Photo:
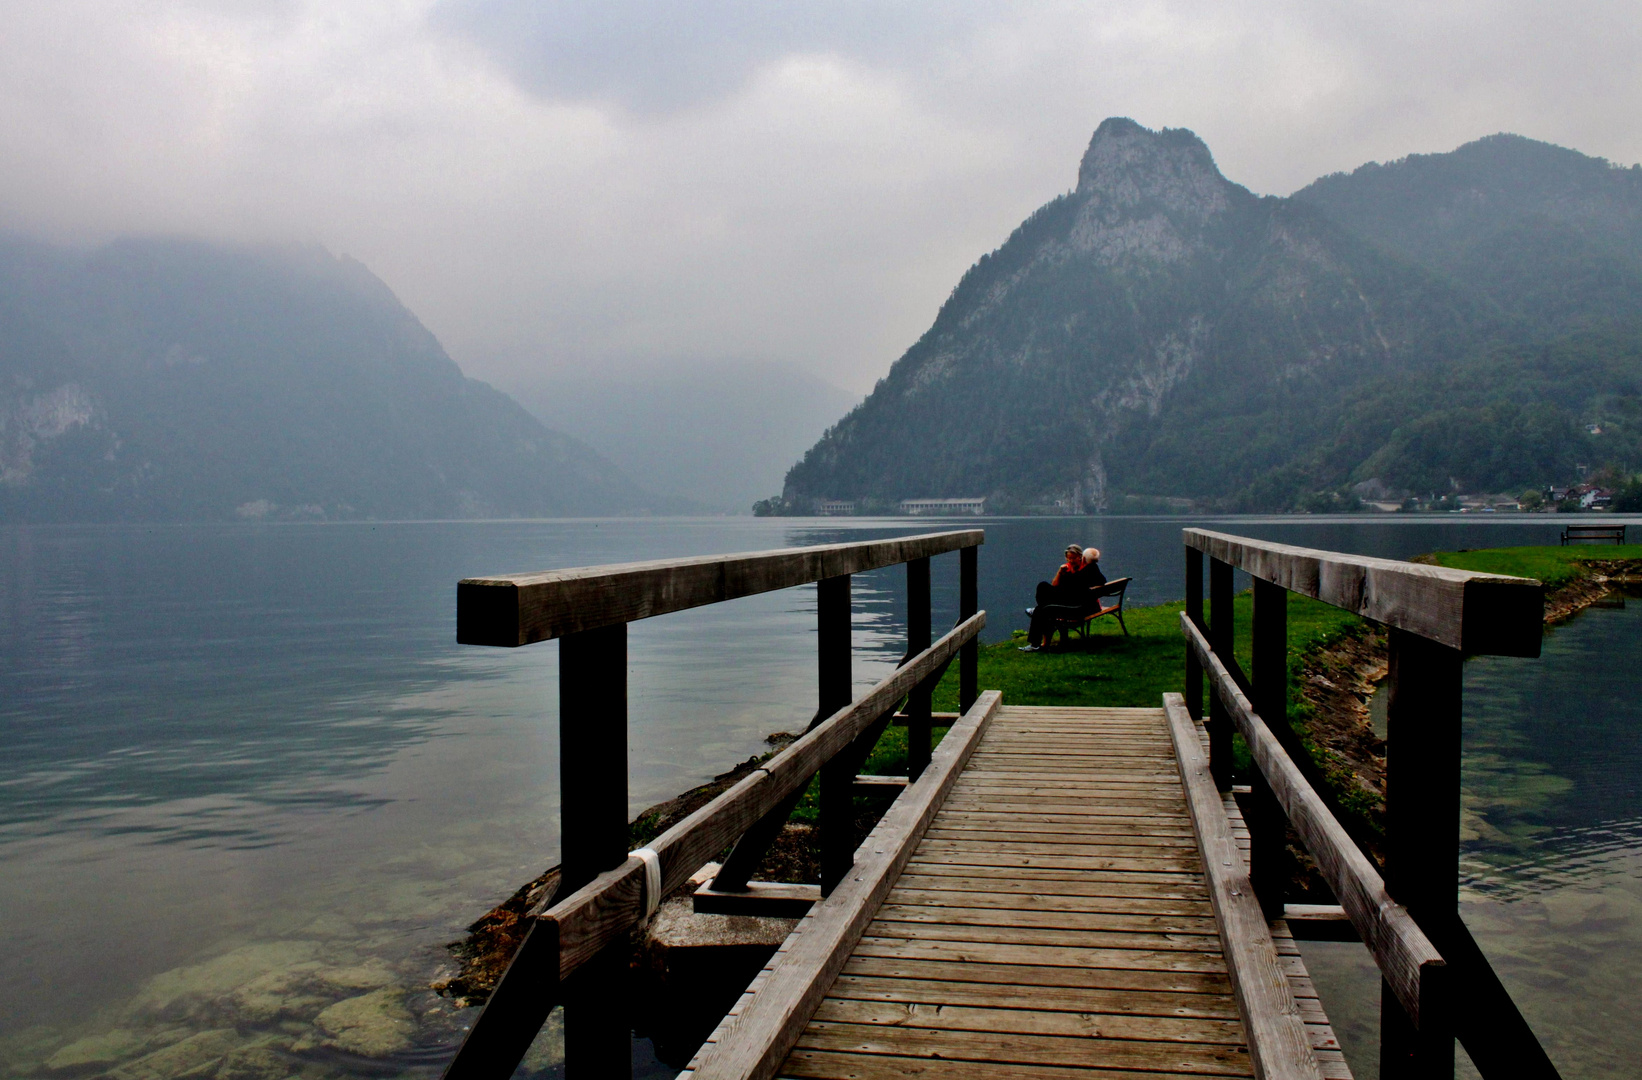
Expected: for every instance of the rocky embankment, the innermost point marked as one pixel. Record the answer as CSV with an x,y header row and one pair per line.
x,y
1338,680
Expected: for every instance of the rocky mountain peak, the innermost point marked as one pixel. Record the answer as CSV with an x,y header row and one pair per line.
x,y
1127,166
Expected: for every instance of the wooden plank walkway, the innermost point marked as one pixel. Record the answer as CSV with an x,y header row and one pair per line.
x,y
1053,922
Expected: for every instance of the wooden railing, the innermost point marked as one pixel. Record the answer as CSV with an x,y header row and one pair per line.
x,y
575,952
1436,984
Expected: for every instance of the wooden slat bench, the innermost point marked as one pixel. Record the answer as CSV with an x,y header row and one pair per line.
x,y
1066,619
1593,534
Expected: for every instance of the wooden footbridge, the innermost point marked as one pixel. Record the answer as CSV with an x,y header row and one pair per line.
x,y
1055,892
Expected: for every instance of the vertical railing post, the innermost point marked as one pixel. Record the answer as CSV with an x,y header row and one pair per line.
x,y
1220,640
593,836
1422,828
969,602
1194,612
1268,826
919,636
832,604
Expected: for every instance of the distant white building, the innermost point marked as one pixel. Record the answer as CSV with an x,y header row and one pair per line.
x,y
943,506
837,507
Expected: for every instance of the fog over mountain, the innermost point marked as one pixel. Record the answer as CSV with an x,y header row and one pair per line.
x,y
1449,321
719,433
164,380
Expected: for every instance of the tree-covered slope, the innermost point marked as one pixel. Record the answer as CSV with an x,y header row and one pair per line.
x,y
173,380
1162,331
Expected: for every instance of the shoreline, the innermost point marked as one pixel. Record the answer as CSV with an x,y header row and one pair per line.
x,y
1337,680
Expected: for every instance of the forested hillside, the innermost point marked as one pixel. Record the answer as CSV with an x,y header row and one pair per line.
x,y
161,380
1465,321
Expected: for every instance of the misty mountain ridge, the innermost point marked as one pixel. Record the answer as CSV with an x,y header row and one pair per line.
x,y
164,379
1451,320
721,433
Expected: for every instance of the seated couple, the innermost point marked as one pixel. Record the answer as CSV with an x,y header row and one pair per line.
x,y
1070,593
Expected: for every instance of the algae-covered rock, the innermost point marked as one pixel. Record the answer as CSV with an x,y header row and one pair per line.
x,y
372,1025
197,1056
290,993
199,989
371,975
259,1061
97,1052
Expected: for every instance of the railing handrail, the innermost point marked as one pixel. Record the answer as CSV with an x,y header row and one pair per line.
x,y
1405,956
1409,918
519,609
1477,613
566,935
607,906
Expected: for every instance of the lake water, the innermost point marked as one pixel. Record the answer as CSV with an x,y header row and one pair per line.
x,y
249,774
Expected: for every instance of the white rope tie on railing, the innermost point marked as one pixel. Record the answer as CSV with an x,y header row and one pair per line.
x,y
652,879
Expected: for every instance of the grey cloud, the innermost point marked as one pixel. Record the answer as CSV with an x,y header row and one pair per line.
x,y
656,56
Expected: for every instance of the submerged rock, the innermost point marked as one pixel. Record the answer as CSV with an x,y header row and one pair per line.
x,y
95,1052
194,1057
258,1061
201,989
372,1025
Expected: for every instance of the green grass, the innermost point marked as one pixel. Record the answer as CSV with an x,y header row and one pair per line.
x,y
1134,671
1555,566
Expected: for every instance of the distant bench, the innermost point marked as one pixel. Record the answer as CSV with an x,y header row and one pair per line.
x,y
1067,619
1593,534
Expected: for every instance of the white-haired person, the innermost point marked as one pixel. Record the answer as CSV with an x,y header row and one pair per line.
x,y
1070,592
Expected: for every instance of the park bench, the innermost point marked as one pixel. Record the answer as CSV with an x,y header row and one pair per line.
x,y
1066,618
1593,534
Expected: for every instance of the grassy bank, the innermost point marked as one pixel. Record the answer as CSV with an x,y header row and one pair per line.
x,y
1557,567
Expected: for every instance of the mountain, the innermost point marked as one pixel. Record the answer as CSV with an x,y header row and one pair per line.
x,y
175,380
720,433
1160,331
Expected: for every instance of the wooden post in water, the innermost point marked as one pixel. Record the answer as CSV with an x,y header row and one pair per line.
x,y
1268,826
593,836
969,602
1220,639
1194,611
832,606
1422,828
918,639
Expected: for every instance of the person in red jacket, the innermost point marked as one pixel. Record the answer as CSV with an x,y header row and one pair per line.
x,y
1069,592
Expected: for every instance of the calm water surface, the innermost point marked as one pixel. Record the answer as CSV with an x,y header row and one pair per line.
x,y
251,786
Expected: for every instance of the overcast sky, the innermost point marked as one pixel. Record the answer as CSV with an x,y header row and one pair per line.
x,y
555,185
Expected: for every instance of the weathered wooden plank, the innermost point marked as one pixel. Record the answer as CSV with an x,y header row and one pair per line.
x,y
1409,963
518,609
978,855
1037,918
1163,822
1212,982
1064,882
1278,1046
1138,1003
780,899
1089,846
752,1045
607,906
937,1014
830,1065
1074,838
945,1046
1047,901
1480,614
991,952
